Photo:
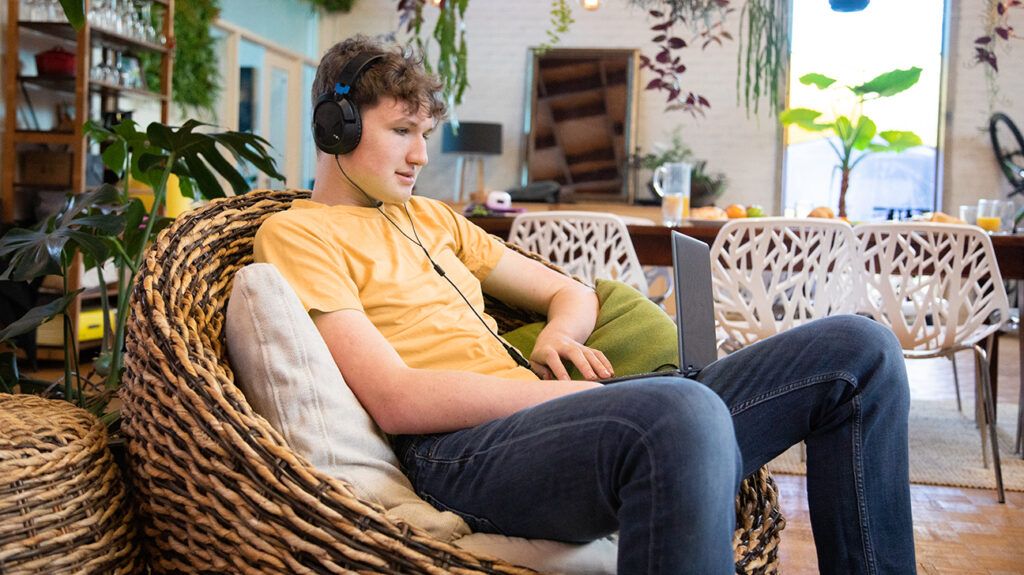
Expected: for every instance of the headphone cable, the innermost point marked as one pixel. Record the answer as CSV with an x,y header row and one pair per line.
x,y
512,352
373,201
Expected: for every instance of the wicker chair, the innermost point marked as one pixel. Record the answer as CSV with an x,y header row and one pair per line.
x,y
218,488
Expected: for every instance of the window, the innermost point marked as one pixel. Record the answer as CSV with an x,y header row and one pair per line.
x,y
854,48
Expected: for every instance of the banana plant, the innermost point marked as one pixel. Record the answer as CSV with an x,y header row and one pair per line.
x,y
856,132
107,224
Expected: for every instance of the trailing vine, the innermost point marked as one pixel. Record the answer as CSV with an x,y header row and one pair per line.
x,y
449,34
667,63
700,16
762,65
997,29
561,19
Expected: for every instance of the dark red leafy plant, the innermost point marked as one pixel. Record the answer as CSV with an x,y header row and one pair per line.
x,y
667,64
999,29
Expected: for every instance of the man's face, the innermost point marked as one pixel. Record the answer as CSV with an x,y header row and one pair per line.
x,y
391,152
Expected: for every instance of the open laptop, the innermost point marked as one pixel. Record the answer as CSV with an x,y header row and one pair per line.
x,y
695,320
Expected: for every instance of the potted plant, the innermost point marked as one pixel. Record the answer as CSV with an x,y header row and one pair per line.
x,y
705,186
107,224
856,133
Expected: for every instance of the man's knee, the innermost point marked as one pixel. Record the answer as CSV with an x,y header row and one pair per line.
x,y
857,337
871,351
677,414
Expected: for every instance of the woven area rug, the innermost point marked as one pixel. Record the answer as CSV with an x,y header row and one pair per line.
x,y
945,448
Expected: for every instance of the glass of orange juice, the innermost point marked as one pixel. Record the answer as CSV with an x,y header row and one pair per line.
x,y
674,209
991,215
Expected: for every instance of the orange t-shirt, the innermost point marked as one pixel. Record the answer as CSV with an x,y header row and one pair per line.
x,y
347,257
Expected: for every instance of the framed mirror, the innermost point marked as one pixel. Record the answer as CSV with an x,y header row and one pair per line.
x,y
580,122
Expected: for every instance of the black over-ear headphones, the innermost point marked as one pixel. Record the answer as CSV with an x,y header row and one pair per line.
x,y
337,126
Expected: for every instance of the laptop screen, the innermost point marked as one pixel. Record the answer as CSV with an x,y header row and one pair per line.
x,y
695,319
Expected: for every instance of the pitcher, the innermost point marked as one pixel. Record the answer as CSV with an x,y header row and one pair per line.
x,y
672,183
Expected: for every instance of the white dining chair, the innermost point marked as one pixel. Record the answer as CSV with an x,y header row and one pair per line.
x,y
938,287
589,245
772,274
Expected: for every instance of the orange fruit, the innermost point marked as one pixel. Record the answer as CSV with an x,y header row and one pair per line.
x,y
736,211
822,212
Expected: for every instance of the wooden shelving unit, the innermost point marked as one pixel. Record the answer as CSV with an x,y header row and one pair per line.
x,y
580,109
82,94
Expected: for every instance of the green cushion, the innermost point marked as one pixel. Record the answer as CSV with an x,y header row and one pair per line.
x,y
634,334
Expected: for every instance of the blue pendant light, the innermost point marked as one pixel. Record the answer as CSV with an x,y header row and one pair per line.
x,y
848,5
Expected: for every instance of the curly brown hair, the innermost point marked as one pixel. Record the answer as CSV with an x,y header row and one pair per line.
x,y
400,75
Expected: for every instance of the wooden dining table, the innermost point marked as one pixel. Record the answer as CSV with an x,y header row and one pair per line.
x,y
654,247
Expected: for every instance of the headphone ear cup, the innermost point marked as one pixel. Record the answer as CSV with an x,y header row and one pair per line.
x,y
328,126
351,128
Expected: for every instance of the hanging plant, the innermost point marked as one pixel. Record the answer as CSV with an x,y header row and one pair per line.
x,y
705,21
561,19
997,27
998,30
760,68
450,36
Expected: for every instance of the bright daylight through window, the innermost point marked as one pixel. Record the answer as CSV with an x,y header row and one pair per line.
x,y
853,48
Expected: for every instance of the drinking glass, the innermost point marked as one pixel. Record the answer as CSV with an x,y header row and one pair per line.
x,y
993,215
969,214
54,12
149,31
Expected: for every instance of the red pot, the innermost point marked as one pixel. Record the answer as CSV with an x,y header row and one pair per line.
x,y
55,62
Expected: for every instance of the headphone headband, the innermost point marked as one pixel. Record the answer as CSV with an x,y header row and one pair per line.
x,y
337,125
352,71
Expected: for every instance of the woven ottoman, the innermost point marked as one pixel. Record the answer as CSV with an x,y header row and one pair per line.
x,y
63,504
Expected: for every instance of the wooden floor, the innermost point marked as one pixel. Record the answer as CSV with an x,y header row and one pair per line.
x,y
963,531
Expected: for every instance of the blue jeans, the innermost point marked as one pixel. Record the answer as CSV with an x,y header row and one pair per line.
x,y
660,459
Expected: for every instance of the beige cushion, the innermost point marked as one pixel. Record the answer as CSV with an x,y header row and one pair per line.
x,y
595,558
289,377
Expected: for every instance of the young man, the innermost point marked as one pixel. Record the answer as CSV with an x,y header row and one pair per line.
x,y
394,283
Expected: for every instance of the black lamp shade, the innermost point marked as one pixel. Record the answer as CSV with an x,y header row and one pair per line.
x,y
848,5
472,138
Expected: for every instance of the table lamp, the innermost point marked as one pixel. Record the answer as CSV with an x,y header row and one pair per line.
x,y
471,141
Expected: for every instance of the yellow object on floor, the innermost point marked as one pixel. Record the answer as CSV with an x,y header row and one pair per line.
x,y
90,327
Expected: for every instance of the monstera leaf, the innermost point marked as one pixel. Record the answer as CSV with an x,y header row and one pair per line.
x,y
196,157
37,316
82,225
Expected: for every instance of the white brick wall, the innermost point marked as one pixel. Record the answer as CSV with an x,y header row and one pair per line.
x,y
971,172
500,31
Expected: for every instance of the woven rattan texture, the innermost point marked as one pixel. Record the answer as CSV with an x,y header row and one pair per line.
x,y
219,490
63,505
